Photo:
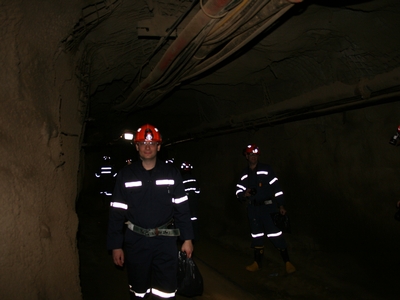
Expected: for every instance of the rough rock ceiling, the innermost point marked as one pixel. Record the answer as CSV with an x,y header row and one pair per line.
x,y
208,67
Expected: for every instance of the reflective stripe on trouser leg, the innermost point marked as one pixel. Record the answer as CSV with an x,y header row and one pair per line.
x,y
138,296
256,228
262,225
157,294
165,263
257,239
273,233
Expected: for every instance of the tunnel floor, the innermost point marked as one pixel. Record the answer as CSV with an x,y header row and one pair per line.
x,y
319,275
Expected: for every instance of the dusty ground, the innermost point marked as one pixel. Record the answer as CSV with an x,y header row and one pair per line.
x,y
320,275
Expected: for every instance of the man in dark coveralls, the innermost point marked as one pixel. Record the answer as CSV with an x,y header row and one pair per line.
x,y
258,187
149,210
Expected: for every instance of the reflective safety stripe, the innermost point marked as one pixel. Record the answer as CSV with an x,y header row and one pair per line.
x,y
244,177
190,189
162,294
106,193
278,194
119,205
165,182
273,180
180,200
189,180
274,234
133,184
241,187
140,295
262,173
193,218
257,235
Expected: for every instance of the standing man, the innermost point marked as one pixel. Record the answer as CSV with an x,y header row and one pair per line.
x,y
193,192
258,187
150,200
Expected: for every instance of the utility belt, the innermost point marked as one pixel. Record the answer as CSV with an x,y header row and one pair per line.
x,y
161,230
265,202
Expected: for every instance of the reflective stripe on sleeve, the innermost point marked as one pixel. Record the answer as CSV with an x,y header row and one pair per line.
x,y
240,189
273,180
244,177
180,200
189,180
119,205
278,194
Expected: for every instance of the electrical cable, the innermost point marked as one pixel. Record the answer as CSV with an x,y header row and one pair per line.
x,y
234,45
177,68
211,16
162,42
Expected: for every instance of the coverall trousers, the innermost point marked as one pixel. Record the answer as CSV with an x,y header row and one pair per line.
x,y
262,225
151,265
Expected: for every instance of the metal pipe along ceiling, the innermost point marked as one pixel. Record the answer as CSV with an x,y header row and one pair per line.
x,y
220,23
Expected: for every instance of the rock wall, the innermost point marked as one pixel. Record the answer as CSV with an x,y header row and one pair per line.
x,y
40,130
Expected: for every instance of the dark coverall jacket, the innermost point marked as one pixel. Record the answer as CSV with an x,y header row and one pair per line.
x,y
149,199
266,199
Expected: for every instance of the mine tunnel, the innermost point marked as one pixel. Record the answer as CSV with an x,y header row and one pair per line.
x,y
314,84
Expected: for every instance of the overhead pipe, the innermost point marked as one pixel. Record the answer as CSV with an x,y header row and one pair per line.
x,y
199,21
245,24
183,65
270,14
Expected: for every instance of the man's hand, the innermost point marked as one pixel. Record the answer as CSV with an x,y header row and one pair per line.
x,y
118,257
187,247
282,210
247,193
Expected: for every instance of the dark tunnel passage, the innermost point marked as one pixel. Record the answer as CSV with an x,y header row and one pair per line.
x,y
344,245
315,84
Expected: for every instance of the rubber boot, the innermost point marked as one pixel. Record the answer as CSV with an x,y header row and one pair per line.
x,y
290,268
288,265
258,256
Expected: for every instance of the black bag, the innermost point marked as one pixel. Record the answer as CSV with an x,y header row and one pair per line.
x,y
281,221
190,281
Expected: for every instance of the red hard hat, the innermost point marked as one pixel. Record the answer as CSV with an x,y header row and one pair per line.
x,y
147,133
252,148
